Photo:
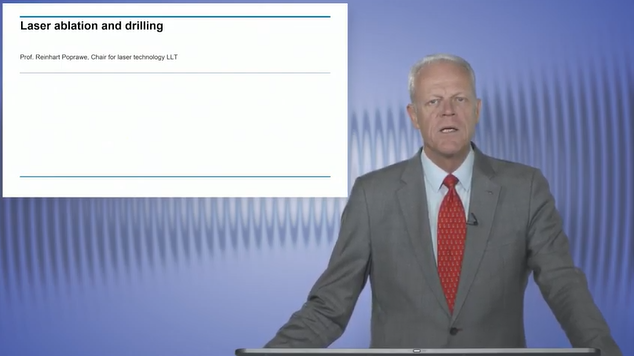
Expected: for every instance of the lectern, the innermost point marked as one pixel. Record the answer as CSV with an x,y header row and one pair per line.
x,y
421,352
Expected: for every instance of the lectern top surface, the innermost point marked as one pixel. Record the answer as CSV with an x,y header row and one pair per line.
x,y
410,352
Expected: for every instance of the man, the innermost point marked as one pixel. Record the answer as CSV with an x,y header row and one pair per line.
x,y
448,239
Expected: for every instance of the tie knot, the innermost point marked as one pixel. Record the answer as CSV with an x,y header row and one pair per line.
x,y
450,181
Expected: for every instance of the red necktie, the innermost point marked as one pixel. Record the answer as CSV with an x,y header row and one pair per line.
x,y
452,231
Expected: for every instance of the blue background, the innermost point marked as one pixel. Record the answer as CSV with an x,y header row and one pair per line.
x,y
207,276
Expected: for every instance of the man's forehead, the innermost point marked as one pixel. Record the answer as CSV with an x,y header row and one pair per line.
x,y
448,84
443,76
443,71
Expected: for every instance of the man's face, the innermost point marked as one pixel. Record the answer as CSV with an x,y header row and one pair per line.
x,y
446,109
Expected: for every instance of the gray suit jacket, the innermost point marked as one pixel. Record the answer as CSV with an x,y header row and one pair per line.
x,y
385,235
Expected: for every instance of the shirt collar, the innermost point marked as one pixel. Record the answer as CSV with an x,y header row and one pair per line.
x,y
435,175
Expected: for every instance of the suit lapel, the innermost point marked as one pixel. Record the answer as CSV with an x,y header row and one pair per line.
x,y
412,200
483,202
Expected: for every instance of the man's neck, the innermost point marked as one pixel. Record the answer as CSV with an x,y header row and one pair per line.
x,y
448,164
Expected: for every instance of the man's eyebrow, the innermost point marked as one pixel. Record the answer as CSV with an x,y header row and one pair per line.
x,y
461,93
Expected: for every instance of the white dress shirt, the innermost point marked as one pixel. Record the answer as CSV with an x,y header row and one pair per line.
x,y
434,176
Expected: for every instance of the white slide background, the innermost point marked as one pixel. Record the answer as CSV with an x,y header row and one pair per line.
x,y
244,102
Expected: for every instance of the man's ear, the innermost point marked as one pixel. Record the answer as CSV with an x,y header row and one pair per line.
x,y
478,107
411,111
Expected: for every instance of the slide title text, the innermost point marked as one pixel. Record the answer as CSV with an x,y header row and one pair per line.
x,y
91,26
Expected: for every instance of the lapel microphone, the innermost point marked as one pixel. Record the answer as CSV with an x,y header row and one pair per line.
x,y
473,221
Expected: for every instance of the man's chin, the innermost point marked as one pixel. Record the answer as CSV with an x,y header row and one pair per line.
x,y
449,154
452,150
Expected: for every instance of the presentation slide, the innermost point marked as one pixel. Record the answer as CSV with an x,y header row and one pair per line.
x,y
175,100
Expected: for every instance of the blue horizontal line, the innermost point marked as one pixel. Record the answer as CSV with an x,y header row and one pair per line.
x,y
174,17
218,176
201,73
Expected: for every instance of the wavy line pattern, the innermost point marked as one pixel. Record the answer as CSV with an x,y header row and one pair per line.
x,y
575,123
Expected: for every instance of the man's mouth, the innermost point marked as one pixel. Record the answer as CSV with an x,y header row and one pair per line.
x,y
449,129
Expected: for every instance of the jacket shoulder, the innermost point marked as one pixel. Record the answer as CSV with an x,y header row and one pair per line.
x,y
385,178
512,171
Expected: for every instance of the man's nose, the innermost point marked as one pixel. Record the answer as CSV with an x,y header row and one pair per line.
x,y
447,108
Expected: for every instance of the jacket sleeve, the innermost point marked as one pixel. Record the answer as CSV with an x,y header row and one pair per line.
x,y
325,315
562,284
